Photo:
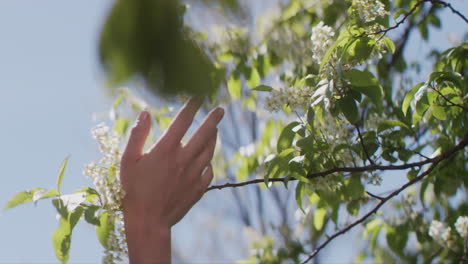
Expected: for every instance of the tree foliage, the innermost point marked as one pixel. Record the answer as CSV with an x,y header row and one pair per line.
x,y
334,108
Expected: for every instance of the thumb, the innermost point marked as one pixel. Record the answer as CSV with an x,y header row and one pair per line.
x,y
134,149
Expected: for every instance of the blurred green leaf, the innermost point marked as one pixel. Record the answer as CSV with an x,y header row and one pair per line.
x,y
147,39
61,173
61,240
299,194
365,83
409,97
104,229
319,218
349,109
234,86
263,88
286,137
388,124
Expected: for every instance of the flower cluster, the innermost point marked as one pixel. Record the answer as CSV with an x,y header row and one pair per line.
x,y
442,234
117,250
462,226
105,175
294,97
369,10
330,183
322,40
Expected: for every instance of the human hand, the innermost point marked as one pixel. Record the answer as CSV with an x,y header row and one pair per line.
x,y
164,183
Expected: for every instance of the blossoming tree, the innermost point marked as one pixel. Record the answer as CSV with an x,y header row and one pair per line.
x,y
332,108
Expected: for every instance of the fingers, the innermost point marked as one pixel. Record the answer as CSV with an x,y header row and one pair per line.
x,y
206,177
134,149
204,134
203,159
182,122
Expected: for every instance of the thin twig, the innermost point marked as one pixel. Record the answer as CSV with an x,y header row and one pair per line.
x,y
375,196
363,146
374,167
402,20
445,4
413,9
448,100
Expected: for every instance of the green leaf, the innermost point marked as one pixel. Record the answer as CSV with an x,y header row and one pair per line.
x,y
389,43
43,194
105,228
349,109
121,126
344,37
397,238
254,79
30,196
90,194
388,124
61,237
91,216
453,77
286,137
399,12
360,49
353,207
61,173
300,187
438,112
373,228
61,240
319,218
409,97
360,78
148,40
119,99
354,188
234,86
74,217
365,83
263,88
19,198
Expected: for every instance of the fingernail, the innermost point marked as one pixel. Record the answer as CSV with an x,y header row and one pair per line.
x,y
143,116
219,113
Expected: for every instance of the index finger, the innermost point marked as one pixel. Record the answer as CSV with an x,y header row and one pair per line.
x,y
181,123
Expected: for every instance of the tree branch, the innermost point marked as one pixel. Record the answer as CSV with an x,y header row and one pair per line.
x,y
375,196
463,143
413,9
385,199
445,4
363,146
448,100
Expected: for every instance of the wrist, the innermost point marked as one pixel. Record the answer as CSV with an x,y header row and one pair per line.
x,y
147,241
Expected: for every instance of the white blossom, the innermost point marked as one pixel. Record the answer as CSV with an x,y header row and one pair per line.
x,y
436,229
106,179
370,10
441,233
462,226
329,183
322,40
294,97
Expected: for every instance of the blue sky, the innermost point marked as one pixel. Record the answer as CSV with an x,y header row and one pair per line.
x,y
51,84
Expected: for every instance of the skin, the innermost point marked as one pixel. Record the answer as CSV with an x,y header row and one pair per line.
x,y
162,184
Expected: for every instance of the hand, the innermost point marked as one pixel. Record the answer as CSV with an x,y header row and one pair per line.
x,y
164,183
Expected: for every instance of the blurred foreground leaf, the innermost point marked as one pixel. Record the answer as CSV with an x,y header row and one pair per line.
x,y
147,39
